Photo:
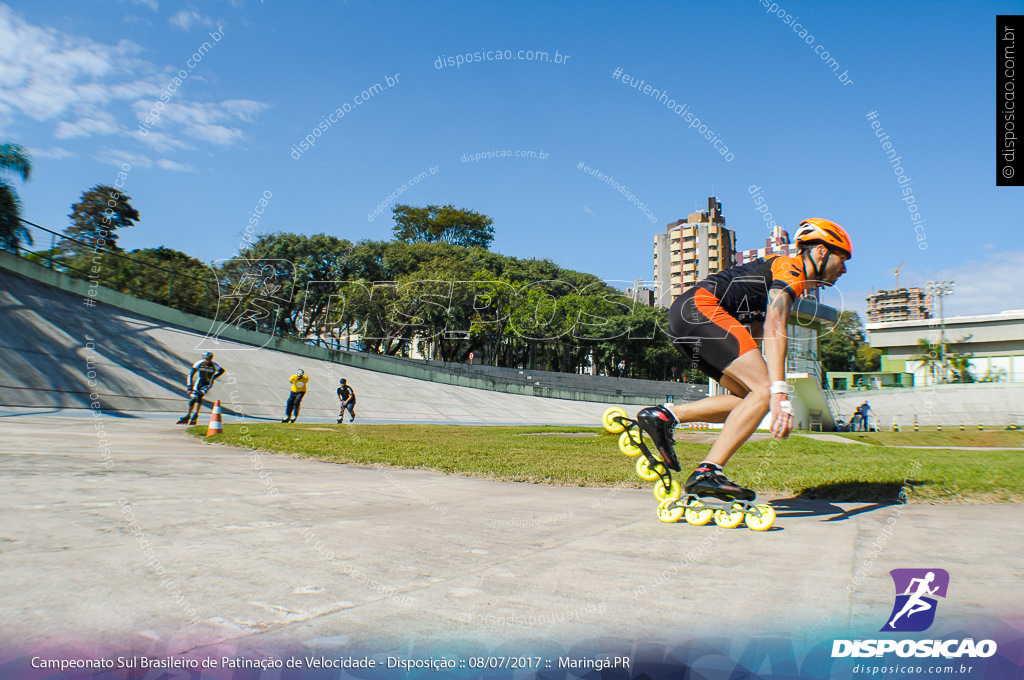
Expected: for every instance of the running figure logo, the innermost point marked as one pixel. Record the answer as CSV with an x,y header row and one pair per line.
x,y
914,610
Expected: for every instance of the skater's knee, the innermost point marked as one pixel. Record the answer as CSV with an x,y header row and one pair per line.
x,y
761,395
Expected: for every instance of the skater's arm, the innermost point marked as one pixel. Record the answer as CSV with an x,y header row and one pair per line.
x,y
776,338
775,344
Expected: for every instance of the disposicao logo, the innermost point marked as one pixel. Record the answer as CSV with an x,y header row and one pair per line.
x,y
913,612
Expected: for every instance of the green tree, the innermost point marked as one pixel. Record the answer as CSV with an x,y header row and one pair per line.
x,y
13,159
838,345
443,224
169,277
95,220
289,281
868,358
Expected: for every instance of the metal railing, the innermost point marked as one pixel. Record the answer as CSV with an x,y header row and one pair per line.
x,y
117,280
830,397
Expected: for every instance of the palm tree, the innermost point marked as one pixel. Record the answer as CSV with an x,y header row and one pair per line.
x,y
928,355
961,366
13,158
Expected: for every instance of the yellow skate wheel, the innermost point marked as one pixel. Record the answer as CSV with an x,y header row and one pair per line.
x,y
643,469
673,491
729,519
697,515
764,521
670,511
610,425
627,446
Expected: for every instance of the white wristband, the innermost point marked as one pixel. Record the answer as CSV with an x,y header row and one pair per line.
x,y
779,387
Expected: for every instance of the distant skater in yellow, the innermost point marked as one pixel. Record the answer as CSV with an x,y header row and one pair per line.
x,y
291,410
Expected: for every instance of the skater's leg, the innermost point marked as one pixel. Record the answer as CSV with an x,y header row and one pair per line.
x,y
747,375
191,407
708,410
298,403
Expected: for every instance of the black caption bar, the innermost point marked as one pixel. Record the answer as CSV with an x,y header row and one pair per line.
x,y
1009,150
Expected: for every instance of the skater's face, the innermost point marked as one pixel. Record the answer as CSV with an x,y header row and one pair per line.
x,y
834,268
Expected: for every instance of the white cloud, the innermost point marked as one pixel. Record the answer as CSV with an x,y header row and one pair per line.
x,y
186,18
985,286
587,210
119,157
86,127
152,4
165,164
56,153
45,74
82,86
205,122
160,142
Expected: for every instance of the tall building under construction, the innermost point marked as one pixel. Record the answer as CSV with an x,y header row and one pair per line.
x,y
902,304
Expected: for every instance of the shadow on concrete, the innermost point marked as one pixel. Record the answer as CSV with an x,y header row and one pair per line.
x,y
883,493
46,344
800,506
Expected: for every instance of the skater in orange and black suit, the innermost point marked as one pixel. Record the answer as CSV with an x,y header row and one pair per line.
x,y
706,324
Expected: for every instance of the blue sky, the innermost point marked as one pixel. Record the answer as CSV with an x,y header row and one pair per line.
x,y
78,79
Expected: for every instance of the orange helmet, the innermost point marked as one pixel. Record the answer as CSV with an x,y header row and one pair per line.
x,y
816,230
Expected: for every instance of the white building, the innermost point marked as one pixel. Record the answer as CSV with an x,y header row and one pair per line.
x,y
996,342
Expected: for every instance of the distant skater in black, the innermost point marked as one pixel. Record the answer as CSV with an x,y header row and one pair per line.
x,y
347,397
200,380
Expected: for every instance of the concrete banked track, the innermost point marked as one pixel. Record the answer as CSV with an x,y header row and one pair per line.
x,y
57,351
157,543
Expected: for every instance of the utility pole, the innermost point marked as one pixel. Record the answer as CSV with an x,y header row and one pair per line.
x,y
940,289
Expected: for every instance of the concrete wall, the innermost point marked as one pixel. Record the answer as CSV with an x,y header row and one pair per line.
x,y
992,404
513,381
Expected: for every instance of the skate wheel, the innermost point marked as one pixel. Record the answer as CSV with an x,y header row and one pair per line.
x,y
697,515
613,426
643,468
761,522
672,492
627,446
670,511
730,519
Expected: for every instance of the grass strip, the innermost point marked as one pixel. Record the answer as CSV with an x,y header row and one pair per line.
x,y
797,466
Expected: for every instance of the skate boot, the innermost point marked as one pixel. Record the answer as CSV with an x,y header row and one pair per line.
x,y
193,421
286,420
183,420
707,481
658,422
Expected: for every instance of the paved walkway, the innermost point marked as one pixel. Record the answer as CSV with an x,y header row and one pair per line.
x,y
843,440
117,530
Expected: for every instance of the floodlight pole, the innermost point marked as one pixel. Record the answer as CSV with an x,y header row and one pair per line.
x,y
940,289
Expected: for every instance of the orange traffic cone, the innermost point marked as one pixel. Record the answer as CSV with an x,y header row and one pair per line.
x,y
216,426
